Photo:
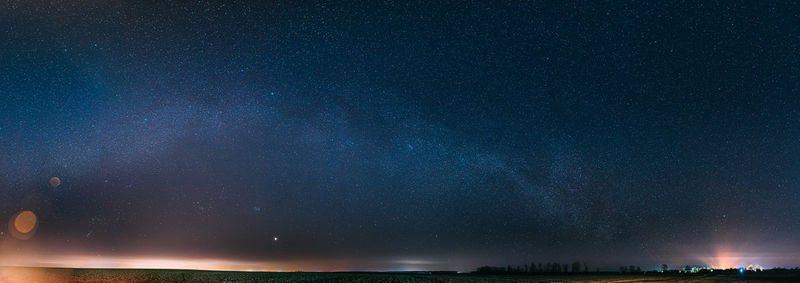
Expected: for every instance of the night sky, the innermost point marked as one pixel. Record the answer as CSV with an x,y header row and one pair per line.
x,y
275,135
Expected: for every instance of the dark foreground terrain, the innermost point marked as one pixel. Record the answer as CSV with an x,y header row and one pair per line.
x,y
28,274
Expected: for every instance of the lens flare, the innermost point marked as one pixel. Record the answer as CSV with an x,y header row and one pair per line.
x,y
55,182
23,225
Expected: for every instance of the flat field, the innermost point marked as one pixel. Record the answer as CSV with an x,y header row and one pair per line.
x,y
30,274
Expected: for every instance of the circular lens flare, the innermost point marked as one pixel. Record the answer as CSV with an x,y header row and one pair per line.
x,y
25,221
55,182
23,225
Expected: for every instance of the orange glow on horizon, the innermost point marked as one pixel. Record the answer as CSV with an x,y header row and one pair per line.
x,y
727,257
143,262
146,263
723,258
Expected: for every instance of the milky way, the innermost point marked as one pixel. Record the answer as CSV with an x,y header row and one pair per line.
x,y
402,135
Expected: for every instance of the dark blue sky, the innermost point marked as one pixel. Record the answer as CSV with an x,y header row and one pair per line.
x,y
404,134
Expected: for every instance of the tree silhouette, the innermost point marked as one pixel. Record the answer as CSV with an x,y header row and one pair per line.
x,y
576,267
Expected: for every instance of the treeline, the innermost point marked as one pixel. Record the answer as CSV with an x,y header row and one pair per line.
x,y
578,267
630,269
550,267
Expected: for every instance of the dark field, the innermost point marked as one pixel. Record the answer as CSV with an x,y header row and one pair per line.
x,y
25,274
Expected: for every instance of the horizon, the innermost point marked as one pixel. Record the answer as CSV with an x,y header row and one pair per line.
x,y
723,261
399,135
215,264
221,265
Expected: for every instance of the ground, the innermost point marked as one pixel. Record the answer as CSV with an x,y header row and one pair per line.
x,y
27,274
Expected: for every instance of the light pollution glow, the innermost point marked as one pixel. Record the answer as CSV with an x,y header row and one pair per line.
x,y
726,256
143,262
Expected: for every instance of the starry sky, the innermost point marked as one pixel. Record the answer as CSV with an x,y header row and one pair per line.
x,y
401,135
